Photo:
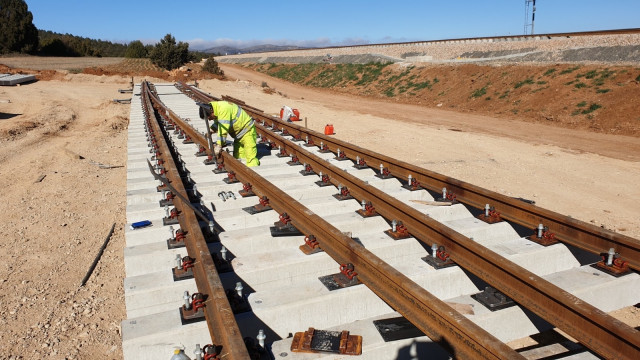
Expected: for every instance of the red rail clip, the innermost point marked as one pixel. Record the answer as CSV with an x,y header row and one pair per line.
x,y
348,270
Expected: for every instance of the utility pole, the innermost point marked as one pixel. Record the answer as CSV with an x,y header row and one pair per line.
x,y
529,7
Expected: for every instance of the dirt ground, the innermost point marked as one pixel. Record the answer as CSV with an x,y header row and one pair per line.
x,y
59,203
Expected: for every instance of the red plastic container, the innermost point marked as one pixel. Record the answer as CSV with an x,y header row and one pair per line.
x,y
296,115
328,129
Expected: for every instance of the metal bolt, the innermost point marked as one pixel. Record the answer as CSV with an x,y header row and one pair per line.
x,y
279,148
394,224
187,300
320,174
338,152
434,249
164,194
189,177
486,210
230,194
198,352
222,196
321,144
261,336
171,230
357,159
540,230
195,190
444,192
409,180
166,211
223,253
612,252
364,205
239,288
178,261
340,189
211,226
306,139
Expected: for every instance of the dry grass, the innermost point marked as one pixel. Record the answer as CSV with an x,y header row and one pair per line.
x,y
57,63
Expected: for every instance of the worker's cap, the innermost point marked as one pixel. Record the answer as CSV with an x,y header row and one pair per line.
x,y
205,110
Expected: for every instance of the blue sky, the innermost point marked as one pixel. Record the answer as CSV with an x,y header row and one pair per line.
x,y
204,24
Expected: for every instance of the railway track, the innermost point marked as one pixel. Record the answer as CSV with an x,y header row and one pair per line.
x,y
392,271
500,38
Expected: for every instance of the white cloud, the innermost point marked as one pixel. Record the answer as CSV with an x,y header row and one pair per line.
x,y
201,44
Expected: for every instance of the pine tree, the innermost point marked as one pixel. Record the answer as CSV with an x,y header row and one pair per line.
x,y
168,55
136,50
17,32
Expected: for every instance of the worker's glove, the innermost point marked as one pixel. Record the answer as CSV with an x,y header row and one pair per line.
x,y
217,150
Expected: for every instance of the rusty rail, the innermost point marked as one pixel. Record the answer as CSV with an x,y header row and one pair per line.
x,y
566,229
434,317
595,329
223,327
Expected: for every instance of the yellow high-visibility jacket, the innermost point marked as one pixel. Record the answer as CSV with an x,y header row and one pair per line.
x,y
231,120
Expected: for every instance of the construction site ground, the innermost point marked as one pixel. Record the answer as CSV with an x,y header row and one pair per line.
x,y
63,152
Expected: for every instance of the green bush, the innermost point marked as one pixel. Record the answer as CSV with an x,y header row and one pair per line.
x,y
593,107
479,92
211,66
523,82
569,70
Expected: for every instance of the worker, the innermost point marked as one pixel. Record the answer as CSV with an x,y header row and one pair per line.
x,y
229,118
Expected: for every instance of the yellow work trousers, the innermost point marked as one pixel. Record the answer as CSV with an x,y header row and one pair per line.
x,y
247,148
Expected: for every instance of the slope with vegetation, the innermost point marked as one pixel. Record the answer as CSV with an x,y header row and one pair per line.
x,y
592,97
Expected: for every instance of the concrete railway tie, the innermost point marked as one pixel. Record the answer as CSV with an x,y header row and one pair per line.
x,y
282,284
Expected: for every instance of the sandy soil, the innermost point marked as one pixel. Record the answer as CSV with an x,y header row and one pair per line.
x,y
63,129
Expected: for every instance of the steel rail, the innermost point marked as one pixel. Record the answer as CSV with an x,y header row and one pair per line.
x,y
533,36
221,322
435,318
432,316
551,303
595,329
566,229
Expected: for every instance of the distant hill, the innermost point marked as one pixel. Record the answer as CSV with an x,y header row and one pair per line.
x,y
230,50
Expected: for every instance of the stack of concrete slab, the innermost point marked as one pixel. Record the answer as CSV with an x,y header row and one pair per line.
x,y
14,79
282,285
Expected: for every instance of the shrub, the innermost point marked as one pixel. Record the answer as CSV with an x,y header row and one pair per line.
x,y
523,82
593,107
602,91
211,66
569,70
479,92
549,72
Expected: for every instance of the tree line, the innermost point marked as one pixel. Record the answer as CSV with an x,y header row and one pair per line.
x,y
19,35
